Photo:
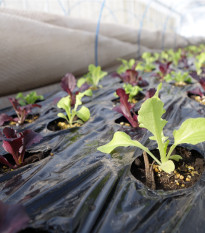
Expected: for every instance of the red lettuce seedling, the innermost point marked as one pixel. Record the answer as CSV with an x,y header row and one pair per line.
x,y
201,80
198,78
126,108
16,144
150,93
132,77
21,112
68,84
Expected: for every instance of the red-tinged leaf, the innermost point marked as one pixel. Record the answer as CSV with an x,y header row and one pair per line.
x,y
30,137
197,77
5,118
196,91
9,132
164,67
4,161
17,143
68,83
14,103
150,93
13,218
13,148
125,107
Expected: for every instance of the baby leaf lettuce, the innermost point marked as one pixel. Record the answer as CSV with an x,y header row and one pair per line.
x,y
17,143
126,108
132,91
72,112
150,113
30,98
93,77
21,112
126,65
178,77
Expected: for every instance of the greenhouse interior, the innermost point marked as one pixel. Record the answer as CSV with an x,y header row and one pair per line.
x,y
102,109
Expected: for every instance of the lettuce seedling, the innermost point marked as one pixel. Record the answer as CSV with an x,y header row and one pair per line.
x,y
72,113
21,112
200,60
16,144
93,77
132,77
178,77
201,81
126,108
149,117
126,65
147,63
30,98
68,84
132,91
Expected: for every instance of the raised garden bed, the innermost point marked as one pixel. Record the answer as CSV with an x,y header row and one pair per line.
x,y
67,185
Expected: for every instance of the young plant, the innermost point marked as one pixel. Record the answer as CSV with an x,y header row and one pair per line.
x,y
132,77
180,78
132,91
16,144
175,56
30,98
126,65
164,69
21,112
147,63
197,91
199,62
72,112
191,131
126,108
68,84
93,77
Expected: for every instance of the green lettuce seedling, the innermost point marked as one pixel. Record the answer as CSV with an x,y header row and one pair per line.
x,y
147,63
191,131
200,60
83,113
93,77
132,91
178,77
30,98
126,65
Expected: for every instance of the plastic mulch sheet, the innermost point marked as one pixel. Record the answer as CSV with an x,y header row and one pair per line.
x,y
79,189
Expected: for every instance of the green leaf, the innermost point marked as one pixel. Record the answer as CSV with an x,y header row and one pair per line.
x,y
65,104
168,166
191,131
175,157
62,116
122,139
132,91
149,117
83,114
80,82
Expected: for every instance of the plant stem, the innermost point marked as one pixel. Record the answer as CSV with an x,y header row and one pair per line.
x,y
171,150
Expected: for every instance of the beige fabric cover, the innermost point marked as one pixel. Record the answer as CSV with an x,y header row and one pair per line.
x,y
37,49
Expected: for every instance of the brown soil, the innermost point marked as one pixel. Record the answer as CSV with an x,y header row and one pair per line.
x,y
28,159
137,98
187,171
198,98
61,124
